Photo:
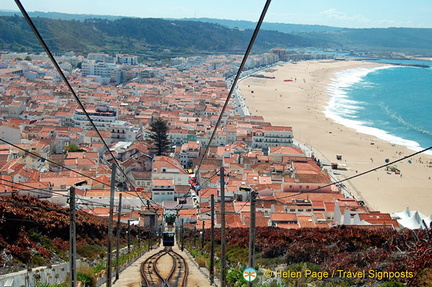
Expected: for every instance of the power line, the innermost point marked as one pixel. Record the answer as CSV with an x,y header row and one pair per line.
x,y
46,191
53,162
34,206
365,172
59,70
83,201
348,178
249,48
63,166
25,185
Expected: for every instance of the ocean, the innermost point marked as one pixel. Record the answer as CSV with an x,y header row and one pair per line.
x,y
393,103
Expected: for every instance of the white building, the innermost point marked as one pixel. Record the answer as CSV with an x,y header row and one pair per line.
x,y
123,59
103,116
10,134
108,71
169,168
163,190
99,57
123,131
189,151
272,136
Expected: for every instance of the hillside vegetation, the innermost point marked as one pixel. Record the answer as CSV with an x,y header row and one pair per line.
x,y
35,233
139,36
377,257
131,35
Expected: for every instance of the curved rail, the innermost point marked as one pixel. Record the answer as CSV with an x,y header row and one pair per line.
x,y
182,275
148,269
153,275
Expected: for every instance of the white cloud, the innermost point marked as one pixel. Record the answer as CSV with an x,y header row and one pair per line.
x,y
334,14
357,21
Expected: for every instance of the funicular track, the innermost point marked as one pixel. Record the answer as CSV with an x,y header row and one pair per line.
x,y
164,268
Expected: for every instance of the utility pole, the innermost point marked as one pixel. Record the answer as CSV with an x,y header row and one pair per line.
x,y
252,230
182,235
202,236
128,237
72,234
223,235
212,240
110,225
72,238
118,237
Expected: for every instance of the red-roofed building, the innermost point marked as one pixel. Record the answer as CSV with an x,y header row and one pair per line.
x,y
163,190
164,167
277,218
272,136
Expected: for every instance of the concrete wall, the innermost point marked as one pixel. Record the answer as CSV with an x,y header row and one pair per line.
x,y
54,274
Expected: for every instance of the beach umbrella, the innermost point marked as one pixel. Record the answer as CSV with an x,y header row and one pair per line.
x,y
387,160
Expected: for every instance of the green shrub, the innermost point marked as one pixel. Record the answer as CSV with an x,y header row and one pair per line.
x,y
91,252
86,276
392,284
37,260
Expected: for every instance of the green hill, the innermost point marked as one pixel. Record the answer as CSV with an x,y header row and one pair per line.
x,y
132,35
143,36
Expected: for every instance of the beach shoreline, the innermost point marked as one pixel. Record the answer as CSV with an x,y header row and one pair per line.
x,y
297,96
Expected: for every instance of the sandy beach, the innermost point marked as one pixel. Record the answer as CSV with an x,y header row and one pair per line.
x,y
300,103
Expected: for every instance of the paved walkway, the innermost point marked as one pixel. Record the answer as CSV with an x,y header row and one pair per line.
x,y
131,276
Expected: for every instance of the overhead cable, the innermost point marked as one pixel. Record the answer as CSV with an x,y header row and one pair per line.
x,y
59,70
243,62
366,172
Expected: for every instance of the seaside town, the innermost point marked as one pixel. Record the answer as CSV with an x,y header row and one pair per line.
x,y
48,145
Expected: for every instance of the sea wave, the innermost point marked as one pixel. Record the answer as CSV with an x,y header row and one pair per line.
x,y
343,110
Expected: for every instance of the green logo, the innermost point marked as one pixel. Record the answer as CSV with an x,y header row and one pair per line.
x,y
250,274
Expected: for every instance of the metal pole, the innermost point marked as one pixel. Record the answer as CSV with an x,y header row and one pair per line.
x,y
118,237
202,235
223,235
212,240
252,232
72,238
182,235
128,237
139,238
195,230
110,226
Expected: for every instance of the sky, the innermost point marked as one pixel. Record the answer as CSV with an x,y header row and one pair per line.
x,y
337,13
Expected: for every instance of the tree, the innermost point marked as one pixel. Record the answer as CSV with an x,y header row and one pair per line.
x,y
159,136
72,148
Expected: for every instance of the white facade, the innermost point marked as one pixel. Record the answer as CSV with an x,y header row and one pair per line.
x,y
123,131
99,57
104,70
169,168
272,136
126,59
163,190
10,134
102,116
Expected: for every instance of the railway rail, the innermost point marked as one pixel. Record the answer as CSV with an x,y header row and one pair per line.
x,y
164,268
